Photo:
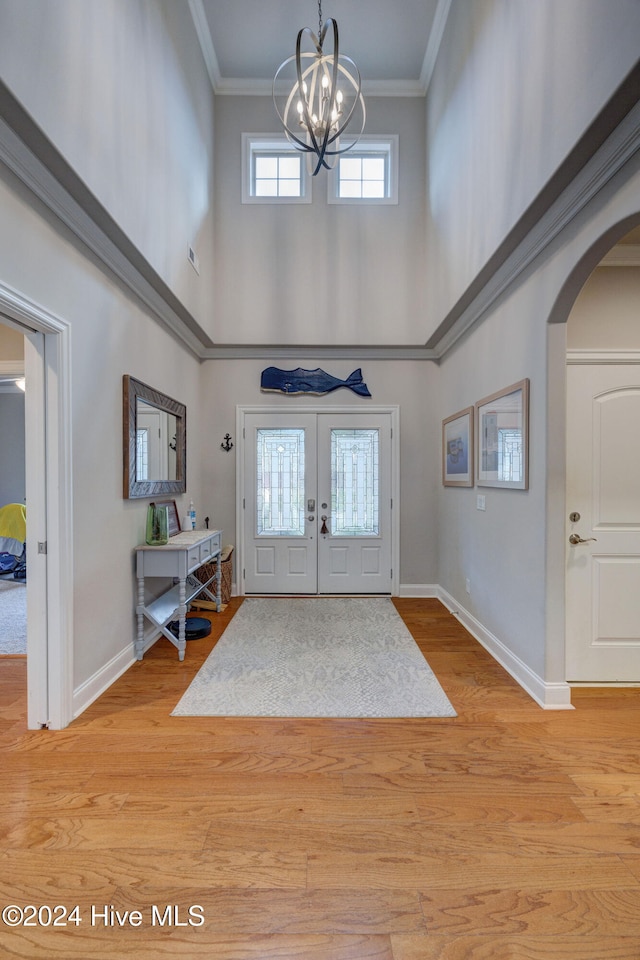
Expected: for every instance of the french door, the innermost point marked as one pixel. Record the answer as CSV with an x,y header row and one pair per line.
x,y
317,503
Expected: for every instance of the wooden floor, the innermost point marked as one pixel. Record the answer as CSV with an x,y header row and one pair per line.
x,y
507,833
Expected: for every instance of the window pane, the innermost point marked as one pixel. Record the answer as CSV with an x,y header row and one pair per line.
x,y
350,188
373,168
266,167
350,168
354,483
266,188
280,483
289,168
373,188
289,188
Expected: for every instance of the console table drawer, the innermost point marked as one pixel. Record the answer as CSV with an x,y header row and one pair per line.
x,y
209,547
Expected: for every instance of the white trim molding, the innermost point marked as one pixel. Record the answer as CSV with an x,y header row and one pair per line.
x,y
598,357
550,696
426,590
48,453
99,683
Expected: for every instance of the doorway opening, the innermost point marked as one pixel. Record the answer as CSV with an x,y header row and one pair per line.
x,y
47,365
602,633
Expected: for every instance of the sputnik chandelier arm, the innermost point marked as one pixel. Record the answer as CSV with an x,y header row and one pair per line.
x,y
323,100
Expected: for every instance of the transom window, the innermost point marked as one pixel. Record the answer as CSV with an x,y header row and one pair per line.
x,y
367,173
272,171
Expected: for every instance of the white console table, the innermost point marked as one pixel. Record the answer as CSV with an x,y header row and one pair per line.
x,y
178,559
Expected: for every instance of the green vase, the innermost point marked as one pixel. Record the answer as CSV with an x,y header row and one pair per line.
x,y
157,525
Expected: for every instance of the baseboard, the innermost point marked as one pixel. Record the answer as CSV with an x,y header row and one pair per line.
x,y
95,686
419,590
550,696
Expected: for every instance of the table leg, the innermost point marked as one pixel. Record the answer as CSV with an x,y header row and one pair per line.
x,y
182,618
218,585
140,614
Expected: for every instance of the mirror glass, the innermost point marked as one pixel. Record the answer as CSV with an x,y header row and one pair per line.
x,y
156,436
154,441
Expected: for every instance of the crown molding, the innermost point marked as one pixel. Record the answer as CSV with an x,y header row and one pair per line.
x,y
258,351
435,40
263,87
200,22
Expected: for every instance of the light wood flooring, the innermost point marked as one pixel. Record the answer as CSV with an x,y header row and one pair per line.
x,y
507,833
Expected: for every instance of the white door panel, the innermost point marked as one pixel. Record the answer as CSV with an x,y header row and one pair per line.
x,y
280,539
603,487
354,556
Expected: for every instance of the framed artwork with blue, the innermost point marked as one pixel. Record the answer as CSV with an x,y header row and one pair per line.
x,y
457,449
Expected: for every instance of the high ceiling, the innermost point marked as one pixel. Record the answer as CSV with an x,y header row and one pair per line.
x,y
393,42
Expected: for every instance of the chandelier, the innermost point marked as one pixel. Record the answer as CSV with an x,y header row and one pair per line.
x,y
323,100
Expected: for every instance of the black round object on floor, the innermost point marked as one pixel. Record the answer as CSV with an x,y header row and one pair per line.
x,y
195,628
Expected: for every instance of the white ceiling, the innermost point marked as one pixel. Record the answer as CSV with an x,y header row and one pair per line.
x,y
393,42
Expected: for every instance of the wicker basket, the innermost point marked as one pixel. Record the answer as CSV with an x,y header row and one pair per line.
x,y
207,570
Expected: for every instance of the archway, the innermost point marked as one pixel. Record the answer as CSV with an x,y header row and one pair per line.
x,y
558,524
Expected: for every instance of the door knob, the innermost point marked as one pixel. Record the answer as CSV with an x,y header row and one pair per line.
x,y
576,538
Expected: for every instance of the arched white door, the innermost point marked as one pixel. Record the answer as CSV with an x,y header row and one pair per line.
x,y
603,512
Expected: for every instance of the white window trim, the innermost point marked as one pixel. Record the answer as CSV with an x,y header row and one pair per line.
x,y
279,144
370,143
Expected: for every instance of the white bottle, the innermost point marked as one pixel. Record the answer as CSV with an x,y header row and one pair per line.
x,y
192,514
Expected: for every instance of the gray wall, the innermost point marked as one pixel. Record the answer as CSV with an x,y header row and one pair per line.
x,y
122,91
412,385
494,134
515,86
12,487
319,273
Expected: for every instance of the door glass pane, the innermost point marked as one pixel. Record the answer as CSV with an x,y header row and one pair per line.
x,y
280,482
354,483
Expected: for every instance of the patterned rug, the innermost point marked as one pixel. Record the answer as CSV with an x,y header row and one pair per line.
x,y
13,617
316,657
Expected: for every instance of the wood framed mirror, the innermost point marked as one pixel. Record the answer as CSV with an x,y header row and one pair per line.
x,y
154,442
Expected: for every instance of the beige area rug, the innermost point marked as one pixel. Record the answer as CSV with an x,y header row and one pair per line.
x,y
316,657
13,617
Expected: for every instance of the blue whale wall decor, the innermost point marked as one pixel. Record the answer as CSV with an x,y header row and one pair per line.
x,y
310,381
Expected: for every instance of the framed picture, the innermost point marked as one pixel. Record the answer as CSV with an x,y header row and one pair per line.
x,y
457,449
502,430
174,522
